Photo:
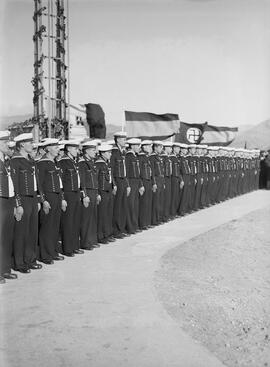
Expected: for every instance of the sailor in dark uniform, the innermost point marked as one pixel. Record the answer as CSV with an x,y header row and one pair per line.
x,y
52,199
192,159
145,200
177,179
106,189
23,171
198,157
119,172
167,163
159,184
136,185
186,172
7,205
70,218
206,166
89,187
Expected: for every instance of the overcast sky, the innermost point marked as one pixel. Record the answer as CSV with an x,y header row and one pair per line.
x,y
204,59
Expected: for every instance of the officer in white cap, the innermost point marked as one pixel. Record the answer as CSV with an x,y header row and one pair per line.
x,y
7,204
23,169
106,189
52,199
119,173
70,219
91,197
136,185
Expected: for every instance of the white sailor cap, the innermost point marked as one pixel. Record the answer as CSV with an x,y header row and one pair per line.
x,y
167,144
134,141
192,145
4,135
24,137
183,146
120,134
157,142
90,144
103,147
176,144
48,142
146,142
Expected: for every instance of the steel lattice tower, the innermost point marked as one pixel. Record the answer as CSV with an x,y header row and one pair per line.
x,y
50,68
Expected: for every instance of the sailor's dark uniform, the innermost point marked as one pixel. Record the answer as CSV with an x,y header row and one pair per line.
x,y
50,190
89,187
105,208
119,173
70,221
25,242
7,204
135,182
145,201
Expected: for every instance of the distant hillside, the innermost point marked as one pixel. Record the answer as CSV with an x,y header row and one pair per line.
x,y
5,121
256,137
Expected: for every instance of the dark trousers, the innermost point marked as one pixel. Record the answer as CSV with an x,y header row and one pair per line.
x,y
49,226
197,193
88,230
184,201
6,233
26,234
105,213
206,189
158,201
175,196
70,225
192,192
120,206
145,205
167,198
133,206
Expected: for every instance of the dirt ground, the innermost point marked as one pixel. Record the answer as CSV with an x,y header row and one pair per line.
x,y
217,287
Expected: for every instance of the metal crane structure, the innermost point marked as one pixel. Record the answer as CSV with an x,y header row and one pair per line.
x,y
51,69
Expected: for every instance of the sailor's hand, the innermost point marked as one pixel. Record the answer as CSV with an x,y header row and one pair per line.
x,y
64,205
141,190
18,213
46,207
128,190
114,190
86,202
98,199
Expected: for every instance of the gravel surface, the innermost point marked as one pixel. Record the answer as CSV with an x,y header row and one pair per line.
x,y
217,287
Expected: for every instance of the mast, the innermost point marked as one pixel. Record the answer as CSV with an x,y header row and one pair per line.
x,y
37,81
49,81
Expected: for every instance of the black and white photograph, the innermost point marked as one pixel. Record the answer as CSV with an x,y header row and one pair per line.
x,y
135,183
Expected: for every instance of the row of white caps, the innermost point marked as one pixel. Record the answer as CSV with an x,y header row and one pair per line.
x,y
107,145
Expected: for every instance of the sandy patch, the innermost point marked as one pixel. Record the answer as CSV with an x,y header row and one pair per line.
x,y
217,287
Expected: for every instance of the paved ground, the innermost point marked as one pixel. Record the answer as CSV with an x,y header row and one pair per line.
x,y
101,309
